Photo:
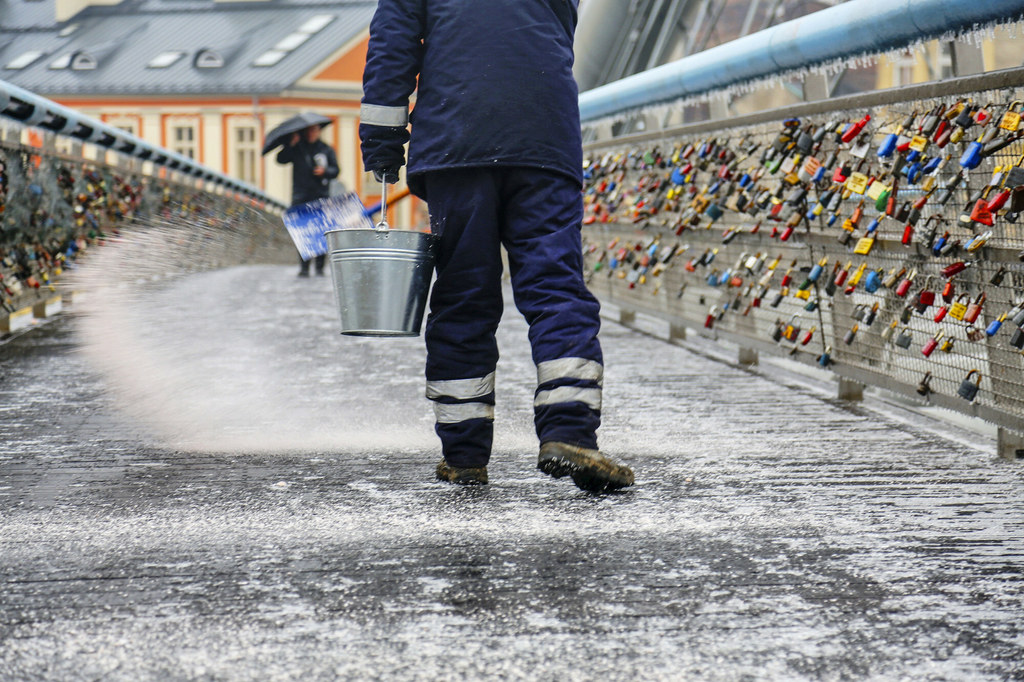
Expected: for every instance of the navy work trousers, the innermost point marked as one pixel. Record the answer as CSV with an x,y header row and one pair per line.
x,y
536,215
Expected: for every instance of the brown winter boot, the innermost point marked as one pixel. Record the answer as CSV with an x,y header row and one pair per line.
x,y
461,475
590,470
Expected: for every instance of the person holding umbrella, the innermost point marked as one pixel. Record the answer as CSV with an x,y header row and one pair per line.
x,y
496,151
314,164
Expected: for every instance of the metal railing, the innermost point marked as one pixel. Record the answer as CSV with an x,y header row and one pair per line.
x,y
68,183
847,30
701,225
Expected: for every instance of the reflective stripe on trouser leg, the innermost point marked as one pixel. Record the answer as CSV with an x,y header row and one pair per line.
x,y
465,307
541,232
567,406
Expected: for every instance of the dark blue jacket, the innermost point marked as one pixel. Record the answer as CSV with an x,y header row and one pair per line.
x,y
495,86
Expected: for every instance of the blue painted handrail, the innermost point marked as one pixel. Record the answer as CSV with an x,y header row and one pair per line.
x,y
33,110
858,27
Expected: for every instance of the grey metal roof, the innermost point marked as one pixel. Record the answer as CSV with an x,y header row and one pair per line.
x,y
140,30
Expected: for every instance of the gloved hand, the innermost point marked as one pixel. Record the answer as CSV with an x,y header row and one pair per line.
x,y
383,150
389,175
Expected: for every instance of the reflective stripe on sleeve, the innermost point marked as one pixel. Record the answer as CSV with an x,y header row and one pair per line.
x,y
453,414
461,389
570,368
377,115
591,397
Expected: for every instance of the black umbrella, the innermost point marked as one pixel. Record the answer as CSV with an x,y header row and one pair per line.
x,y
279,135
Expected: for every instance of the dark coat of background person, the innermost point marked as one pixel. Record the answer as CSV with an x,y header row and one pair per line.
x,y
303,158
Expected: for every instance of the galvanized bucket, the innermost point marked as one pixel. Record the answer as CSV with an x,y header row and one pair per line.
x,y
381,278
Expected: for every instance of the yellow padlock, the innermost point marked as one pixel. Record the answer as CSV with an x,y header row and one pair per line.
x,y
864,245
918,143
857,183
1011,119
876,190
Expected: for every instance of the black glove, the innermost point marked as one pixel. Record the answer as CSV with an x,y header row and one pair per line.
x,y
383,150
388,175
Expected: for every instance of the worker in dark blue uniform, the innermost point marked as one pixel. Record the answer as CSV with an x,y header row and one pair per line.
x,y
314,165
495,150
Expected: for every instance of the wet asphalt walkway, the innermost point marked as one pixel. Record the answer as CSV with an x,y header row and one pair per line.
x,y
205,482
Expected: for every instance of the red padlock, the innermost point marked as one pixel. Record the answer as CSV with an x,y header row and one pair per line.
x,y
787,233
904,286
931,345
948,291
940,314
908,234
974,309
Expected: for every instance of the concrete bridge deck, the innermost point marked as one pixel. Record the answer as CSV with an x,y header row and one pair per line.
x,y
218,487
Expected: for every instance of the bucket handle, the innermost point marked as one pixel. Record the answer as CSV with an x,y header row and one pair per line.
x,y
383,226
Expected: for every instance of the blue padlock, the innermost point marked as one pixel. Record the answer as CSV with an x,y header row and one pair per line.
x,y
939,243
745,180
724,277
972,157
913,173
712,280
832,220
913,156
872,226
994,325
888,146
815,272
715,187
819,175
872,281
931,166
678,178
825,359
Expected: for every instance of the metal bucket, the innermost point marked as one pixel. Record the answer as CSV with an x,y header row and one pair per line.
x,y
381,279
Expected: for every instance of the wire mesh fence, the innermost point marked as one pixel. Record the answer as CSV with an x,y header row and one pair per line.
x,y
884,243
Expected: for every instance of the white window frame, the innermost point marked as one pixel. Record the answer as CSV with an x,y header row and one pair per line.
x,y
244,155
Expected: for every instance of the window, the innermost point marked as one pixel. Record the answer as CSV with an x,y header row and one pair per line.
x,y
24,59
903,69
183,140
246,154
292,41
165,59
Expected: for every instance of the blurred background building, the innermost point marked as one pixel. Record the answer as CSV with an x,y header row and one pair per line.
x,y
207,78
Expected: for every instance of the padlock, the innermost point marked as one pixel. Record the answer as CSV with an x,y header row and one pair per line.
x,y
930,345
825,359
859,311
841,275
978,241
854,129
814,274
925,298
903,288
865,244
888,332
850,335
872,281
969,389
905,338
808,336
940,314
959,307
872,313
924,386
792,329
1011,118
974,308
906,314
995,325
